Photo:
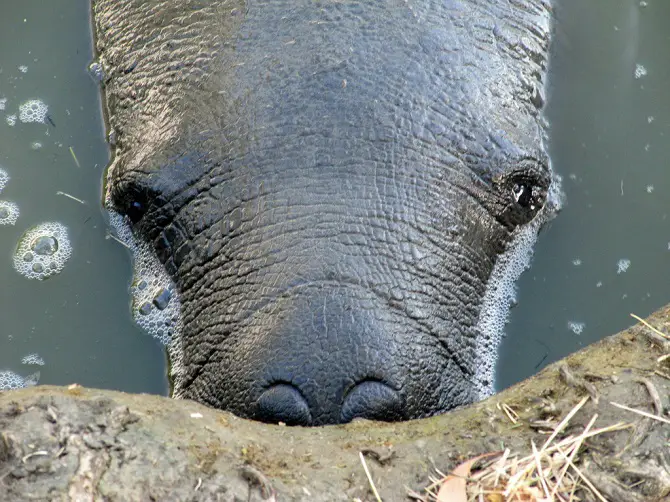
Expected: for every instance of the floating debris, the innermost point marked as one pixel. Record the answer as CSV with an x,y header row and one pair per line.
x,y
83,202
74,157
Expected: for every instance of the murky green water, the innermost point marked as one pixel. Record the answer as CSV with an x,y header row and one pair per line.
x,y
607,140
77,321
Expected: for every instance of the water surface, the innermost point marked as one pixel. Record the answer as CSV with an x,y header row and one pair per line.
x,y
607,252
77,321
609,111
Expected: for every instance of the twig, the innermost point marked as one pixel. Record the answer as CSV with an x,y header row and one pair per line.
x,y
653,393
114,237
573,381
511,414
254,476
640,412
564,422
656,331
583,478
540,471
34,454
575,449
367,473
71,197
74,157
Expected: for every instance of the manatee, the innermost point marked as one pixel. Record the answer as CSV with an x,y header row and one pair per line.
x,y
340,191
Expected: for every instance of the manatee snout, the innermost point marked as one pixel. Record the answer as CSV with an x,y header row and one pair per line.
x,y
324,355
370,399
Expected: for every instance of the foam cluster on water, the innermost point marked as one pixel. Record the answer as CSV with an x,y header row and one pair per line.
x,y
4,178
43,251
622,265
640,71
33,111
10,380
33,359
576,327
501,292
11,120
155,304
9,213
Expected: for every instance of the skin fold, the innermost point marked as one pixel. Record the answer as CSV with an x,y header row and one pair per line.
x,y
329,184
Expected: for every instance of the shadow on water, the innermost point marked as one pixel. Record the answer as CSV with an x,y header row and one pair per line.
x,y
607,140
78,321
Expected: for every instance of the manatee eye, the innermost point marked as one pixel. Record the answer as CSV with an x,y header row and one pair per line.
x,y
135,211
132,199
523,195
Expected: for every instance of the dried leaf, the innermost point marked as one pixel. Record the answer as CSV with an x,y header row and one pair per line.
x,y
453,486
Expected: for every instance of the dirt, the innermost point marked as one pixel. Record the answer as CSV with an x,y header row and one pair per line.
x,y
87,444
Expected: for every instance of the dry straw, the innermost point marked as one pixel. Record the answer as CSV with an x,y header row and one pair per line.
x,y
548,474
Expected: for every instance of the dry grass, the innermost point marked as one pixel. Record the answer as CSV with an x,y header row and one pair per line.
x,y
548,474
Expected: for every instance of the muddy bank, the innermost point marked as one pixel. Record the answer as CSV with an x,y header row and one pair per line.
x,y
88,444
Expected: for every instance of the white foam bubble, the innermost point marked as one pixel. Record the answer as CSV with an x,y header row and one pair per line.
x,y
640,71
4,178
33,111
3,103
501,292
650,188
33,359
11,120
576,327
10,380
43,251
155,305
577,262
9,213
622,265
23,68
157,314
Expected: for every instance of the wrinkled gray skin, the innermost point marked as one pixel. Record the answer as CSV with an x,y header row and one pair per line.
x,y
330,184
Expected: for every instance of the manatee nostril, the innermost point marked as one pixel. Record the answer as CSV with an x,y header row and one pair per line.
x,y
283,402
373,400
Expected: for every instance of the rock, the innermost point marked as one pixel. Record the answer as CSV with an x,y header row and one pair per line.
x,y
59,443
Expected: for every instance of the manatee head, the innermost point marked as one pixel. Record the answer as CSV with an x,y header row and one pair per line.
x,y
330,199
